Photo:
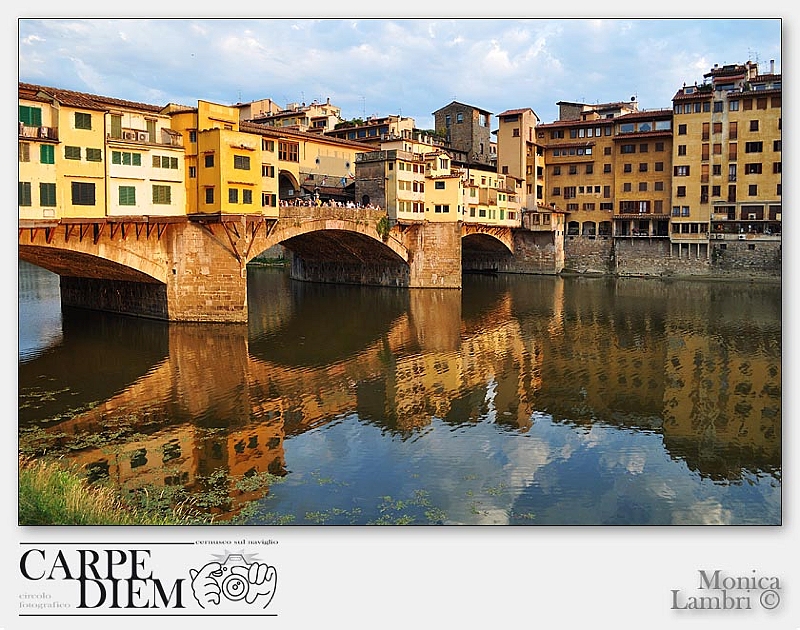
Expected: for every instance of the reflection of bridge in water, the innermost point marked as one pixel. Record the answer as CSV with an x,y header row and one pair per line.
x,y
217,398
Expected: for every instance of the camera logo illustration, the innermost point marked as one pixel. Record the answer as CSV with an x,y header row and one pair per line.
x,y
237,579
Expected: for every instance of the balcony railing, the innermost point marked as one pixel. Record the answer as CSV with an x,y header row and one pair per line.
x,y
42,133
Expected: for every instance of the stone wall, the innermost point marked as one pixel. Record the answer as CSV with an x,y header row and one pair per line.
x,y
747,258
585,254
536,253
434,255
142,299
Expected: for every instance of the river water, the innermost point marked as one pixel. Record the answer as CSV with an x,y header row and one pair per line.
x,y
521,400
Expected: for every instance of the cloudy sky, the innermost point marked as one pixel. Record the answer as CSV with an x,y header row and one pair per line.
x,y
381,66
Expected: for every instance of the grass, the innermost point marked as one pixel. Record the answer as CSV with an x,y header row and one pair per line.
x,y
50,494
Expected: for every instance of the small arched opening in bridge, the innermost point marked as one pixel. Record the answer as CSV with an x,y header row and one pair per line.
x,y
345,257
573,228
288,186
481,253
604,228
589,228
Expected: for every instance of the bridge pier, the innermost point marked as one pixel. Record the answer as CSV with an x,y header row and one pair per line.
x,y
434,255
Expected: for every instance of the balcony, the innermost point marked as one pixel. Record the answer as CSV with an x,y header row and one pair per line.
x,y
40,133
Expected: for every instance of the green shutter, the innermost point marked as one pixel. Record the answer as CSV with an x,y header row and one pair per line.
x,y
137,159
47,195
31,116
25,193
47,154
127,195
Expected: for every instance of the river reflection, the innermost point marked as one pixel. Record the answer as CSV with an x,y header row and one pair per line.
x,y
518,400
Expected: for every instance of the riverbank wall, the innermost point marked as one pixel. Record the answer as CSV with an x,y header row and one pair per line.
x,y
659,257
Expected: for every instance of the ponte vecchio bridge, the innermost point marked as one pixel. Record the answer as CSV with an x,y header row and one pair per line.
x,y
194,268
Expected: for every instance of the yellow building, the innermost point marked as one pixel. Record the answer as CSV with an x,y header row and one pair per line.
x,y
61,154
520,156
238,167
641,167
727,156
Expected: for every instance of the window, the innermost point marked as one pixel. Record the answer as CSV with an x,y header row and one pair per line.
x,y
268,200
267,145
776,167
47,154
643,167
718,106
752,190
192,135
626,187
717,148
209,160
589,169
162,195
606,150
642,186
441,208
288,151
716,169
659,146
643,148
94,155
241,162
682,130
706,128
717,127
606,168
753,125
732,172
438,185
676,212
30,116
25,194
233,195
556,170
681,171
72,153
83,194
127,195
627,168
569,192
165,161
733,131
627,148
557,191
606,192
459,117
752,169
24,152
573,169
247,196
659,166
210,195
681,149
267,170
761,103
776,145
47,194
658,206
716,191
658,186
515,132
83,120
681,191
733,106
747,104
192,172
684,211
753,147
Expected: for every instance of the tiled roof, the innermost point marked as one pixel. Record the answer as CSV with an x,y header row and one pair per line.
x,y
83,100
511,112
279,132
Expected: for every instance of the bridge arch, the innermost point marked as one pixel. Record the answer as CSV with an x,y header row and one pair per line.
x,y
354,238
288,185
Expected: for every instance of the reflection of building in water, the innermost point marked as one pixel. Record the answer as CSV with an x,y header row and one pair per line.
x,y
722,403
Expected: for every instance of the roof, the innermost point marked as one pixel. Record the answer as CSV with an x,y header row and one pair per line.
x,y
511,112
84,100
280,132
483,111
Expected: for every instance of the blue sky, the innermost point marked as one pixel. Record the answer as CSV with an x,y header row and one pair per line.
x,y
381,66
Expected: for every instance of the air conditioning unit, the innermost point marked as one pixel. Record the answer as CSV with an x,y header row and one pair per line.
x,y
129,135
142,136
751,216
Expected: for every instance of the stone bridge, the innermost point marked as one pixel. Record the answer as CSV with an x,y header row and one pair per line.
x,y
194,268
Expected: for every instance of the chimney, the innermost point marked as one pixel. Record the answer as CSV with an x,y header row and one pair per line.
x,y
772,66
